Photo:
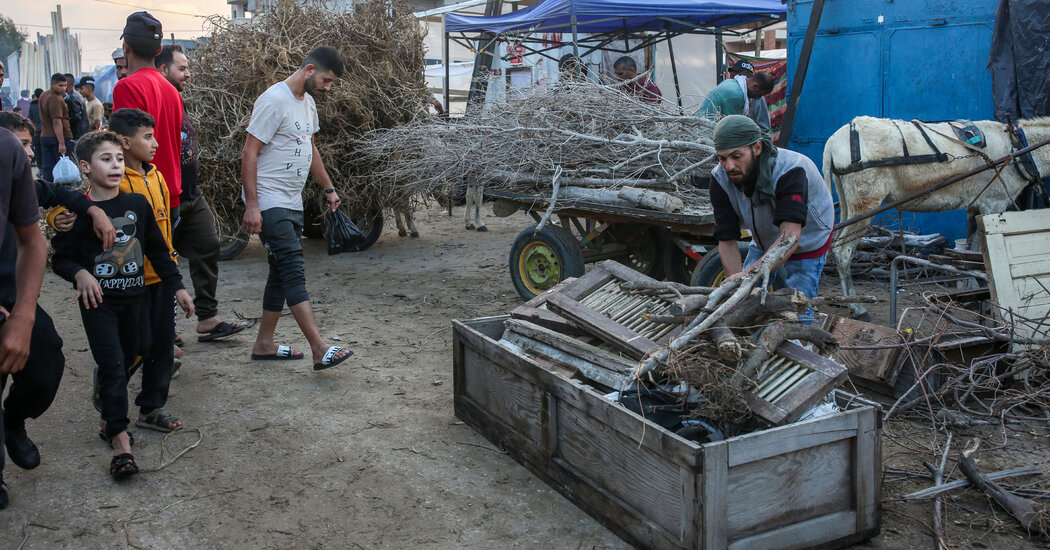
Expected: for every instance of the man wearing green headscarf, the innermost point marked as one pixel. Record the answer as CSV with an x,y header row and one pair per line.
x,y
770,192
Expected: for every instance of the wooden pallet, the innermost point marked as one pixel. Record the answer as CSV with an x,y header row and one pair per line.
x,y
792,382
596,303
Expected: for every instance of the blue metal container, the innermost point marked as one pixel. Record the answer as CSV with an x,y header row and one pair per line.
x,y
904,59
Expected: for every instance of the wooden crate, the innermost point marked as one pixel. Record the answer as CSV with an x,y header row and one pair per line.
x,y
812,483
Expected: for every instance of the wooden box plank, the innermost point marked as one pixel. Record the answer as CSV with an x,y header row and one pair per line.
x,y
812,483
1017,253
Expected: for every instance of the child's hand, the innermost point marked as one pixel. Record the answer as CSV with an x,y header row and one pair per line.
x,y
64,221
185,302
88,290
103,227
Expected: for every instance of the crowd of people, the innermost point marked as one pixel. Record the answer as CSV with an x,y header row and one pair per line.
x,y
119,242
119,238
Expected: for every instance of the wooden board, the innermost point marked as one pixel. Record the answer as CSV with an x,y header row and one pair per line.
x,y
571,303
877,366
535,311
807,484
1017,253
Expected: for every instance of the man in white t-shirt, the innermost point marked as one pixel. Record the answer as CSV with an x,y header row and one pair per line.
x,y
278,155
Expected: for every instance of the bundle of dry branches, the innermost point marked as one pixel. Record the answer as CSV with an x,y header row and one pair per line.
x,y
576,134
382,46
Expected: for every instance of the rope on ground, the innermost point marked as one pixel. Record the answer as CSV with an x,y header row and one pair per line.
x,y
164,448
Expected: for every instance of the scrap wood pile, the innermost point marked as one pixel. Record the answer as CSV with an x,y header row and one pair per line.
x,y
976,374
382,46
574,141
718,360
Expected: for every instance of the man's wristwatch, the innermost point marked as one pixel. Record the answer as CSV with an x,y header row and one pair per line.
x,y
329,190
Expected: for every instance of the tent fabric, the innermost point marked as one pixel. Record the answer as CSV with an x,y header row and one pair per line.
x,y
1019,62
603,16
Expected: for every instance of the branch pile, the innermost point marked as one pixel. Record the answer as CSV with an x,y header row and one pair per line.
x,y
550,140
382,86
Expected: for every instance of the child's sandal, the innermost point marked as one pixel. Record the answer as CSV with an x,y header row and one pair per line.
x,y
123,466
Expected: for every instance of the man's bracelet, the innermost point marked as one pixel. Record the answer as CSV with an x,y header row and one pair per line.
x,y
329,190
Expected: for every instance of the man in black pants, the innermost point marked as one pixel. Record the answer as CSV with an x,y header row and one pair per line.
x,y
19,215
34,387
195,236
278,154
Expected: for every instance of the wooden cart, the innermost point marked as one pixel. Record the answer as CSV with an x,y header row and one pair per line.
x,y
676,247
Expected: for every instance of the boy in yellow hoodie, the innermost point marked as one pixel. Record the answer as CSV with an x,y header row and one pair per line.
x,y
135,129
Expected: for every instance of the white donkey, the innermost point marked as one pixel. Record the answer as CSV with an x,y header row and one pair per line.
x,y
863,188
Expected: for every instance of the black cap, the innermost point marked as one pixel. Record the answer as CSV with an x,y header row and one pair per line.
x,y
742,67
143,24
85,80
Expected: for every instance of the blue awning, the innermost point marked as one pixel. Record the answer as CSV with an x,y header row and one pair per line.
x,y
604,16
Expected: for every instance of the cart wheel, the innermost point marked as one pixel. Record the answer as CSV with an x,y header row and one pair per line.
x,y
709,271
371,225
678,267
230,246
645,252
540,260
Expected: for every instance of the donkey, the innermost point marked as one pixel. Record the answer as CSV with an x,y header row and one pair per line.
x,y
865,189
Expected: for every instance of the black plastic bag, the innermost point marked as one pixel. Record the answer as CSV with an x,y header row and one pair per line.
x,y
340,232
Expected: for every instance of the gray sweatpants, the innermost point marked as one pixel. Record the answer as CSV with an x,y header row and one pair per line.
x,y
282,235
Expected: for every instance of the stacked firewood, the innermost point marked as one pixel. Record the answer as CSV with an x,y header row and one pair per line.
x,y
573,141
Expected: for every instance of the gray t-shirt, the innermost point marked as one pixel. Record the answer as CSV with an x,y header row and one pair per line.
x,y
286,126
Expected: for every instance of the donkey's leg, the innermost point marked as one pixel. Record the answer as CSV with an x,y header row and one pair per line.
x,y
401,231
469,206
410,221
479,199
844,247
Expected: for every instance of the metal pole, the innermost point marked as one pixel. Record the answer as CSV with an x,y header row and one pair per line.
x,y
445,60
719,54
575,38
800,73
674,72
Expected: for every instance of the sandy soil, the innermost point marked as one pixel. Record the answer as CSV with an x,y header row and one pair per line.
x,y
365,455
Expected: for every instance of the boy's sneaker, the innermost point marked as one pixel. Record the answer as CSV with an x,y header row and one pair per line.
x,y
3,493
176,365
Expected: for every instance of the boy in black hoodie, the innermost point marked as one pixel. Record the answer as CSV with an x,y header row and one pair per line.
x,y
110,284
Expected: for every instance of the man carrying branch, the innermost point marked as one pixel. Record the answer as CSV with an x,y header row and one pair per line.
x,y
770,192
278,154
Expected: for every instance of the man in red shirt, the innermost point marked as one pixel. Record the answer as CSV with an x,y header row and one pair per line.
x,y
626,69
146,89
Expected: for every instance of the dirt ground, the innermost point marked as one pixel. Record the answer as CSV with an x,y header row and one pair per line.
x,y
365,455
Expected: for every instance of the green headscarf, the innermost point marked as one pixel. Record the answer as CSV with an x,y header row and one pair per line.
x,y
740,131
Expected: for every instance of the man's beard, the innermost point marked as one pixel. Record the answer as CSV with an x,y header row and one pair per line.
x,y
748,177
311,87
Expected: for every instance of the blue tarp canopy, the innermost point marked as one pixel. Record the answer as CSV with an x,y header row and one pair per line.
x,y
610,16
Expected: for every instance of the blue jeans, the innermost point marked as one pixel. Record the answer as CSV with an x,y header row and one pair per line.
x,y
49,155
802,275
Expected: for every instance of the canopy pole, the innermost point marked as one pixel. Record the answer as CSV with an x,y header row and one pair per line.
x,y
575,38
674,70
445,59
800,73
719,53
